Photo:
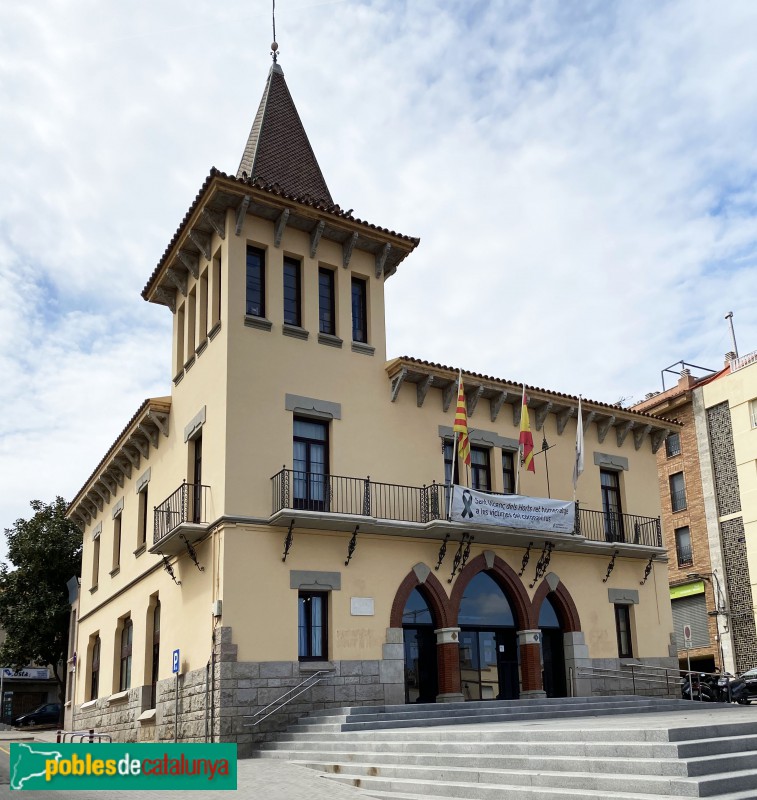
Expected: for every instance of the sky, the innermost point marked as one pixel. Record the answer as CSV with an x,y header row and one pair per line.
x,y
581,176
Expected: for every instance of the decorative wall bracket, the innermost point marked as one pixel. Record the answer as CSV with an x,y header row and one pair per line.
x,y
611,566
542,563
352,545
288,541
169,569
460,557
526,556
647,571
192,553
442,552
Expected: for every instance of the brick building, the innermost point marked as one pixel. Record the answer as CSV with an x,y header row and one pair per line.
x,y
708,486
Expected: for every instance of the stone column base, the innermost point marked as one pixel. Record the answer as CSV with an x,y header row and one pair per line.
x,y
533,694
450,697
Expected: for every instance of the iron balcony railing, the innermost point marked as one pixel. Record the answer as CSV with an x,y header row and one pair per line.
x,y
337,494
186,504
678,500
684,555
610,526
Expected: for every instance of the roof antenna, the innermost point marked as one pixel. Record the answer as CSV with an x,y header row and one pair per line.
x,y
729,317
274,46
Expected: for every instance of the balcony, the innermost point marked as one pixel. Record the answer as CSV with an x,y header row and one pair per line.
x,y
338,498
684,555
180,519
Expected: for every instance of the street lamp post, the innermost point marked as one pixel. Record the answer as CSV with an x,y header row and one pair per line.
x,y
720,609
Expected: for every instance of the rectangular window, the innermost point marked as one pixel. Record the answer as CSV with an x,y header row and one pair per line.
x,y
359,310
202,309
179,354
292,292
127,634
195,511
215,288
613,512
116,544
311,626
255,282
326,314
311,464
623,630
508,471
95,562
683,547
673,445
191,323
155,654
479,469
677,492
94,671
143,520
753,412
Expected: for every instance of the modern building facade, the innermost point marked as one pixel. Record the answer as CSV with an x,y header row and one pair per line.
x,y
282,516
708,490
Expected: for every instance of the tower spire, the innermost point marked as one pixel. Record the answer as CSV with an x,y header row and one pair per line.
x,y
274,45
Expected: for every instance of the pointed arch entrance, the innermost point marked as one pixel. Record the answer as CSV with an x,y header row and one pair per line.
x,y
558,620
420,610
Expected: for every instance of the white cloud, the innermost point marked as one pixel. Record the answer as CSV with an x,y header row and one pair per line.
x,y
590,167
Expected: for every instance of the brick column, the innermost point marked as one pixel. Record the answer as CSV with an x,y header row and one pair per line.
x,y
448,662
529,644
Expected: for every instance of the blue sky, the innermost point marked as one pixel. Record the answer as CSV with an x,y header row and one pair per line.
x,y
581,176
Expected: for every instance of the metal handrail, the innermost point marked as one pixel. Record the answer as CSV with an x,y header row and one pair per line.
x,y
666,675
321,672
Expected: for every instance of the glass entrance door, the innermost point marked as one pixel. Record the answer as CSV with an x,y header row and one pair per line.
x,y
421,677
489,664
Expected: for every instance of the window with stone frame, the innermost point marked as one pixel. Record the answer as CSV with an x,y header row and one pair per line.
x,y
127,636
753,412
94,668
623,630
312,628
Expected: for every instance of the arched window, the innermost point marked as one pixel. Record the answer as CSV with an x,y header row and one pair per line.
x,y
416,610
484,604
547,615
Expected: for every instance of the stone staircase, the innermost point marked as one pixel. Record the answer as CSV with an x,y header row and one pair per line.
x,y
598,748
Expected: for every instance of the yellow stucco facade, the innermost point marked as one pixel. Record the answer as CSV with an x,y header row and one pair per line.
x,y
272,571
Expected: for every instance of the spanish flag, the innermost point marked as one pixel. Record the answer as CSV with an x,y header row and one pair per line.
x,y
460,427
526,439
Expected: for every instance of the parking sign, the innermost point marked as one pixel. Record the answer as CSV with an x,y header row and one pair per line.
x,y
176,662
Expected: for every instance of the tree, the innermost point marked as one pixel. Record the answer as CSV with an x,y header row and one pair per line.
x,y
34,609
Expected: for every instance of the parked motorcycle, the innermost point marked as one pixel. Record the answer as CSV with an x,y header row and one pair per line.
x,y
735,687
709,688
697,687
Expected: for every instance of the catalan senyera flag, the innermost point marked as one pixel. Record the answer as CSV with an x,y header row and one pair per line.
x,y
526,439
461,424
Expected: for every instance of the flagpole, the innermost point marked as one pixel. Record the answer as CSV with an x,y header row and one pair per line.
x,y
520,445
578,466
454,453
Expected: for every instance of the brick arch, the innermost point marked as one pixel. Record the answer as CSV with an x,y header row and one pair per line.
x,y
433,593
566,609
505,577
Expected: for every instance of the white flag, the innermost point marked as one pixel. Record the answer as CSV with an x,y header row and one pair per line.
x,y
578,467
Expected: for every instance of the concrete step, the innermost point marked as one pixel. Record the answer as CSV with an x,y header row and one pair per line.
x,y
536,761
531,793
508,715
509,784
494,708
549,745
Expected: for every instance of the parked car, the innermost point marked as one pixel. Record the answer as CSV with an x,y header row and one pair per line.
x,y
750,679
46,714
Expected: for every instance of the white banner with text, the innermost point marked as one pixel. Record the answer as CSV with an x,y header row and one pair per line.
x,y
513,511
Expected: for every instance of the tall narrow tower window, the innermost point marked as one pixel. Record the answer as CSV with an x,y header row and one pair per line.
x,y
292,292
255,282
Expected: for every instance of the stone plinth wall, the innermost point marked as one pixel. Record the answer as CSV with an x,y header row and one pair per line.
x,y
237,690
607,685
